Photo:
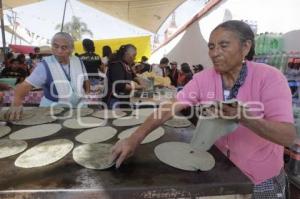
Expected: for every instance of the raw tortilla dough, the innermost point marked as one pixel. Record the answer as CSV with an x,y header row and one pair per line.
x,y
154,135
44,153
208,131
83,122
54,111
93,156
178,123
109,114
82,112
35,120
182,156
33,132
99,134
11,147
129,121
29,112
143,112
4,130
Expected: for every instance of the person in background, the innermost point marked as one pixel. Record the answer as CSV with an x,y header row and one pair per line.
x,y
37,52
144,60
106,56
91,61
197,68
7,59
62,76
120,70
146,65
22,63
258,141
185,75
14,71
32,62
159,70
174,73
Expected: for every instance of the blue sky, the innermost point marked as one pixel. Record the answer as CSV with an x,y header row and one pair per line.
x,y
41,18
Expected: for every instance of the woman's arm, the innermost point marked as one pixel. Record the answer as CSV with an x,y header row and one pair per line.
x,y
126,147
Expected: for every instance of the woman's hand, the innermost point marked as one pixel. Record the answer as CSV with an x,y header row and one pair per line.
x,y
123,149
14,113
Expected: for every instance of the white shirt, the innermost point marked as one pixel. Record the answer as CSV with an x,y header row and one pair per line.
x,y
157,70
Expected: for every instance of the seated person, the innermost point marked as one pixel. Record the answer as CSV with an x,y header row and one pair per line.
x,y
184,75
22,63
197,68
62,77
8,57
159,69
14,71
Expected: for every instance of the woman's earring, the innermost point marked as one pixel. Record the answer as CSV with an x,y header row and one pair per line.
x,y
244,61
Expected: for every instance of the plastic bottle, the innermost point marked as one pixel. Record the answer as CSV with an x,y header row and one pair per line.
x,y
277,62
280,42
266,43
260,43
274,42
270,60
283,62
256,40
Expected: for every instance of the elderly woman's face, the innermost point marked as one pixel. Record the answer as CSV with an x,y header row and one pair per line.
x,y
61,48
225,50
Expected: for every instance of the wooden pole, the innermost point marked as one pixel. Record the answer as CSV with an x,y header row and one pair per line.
x,y
63,19
2,29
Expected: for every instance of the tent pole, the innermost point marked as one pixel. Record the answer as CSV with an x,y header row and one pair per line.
x,y
2,29
63,19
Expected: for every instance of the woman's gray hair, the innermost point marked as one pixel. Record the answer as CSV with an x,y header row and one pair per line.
x,y
244,32
65,35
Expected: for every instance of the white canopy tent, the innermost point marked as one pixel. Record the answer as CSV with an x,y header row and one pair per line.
x,y
146,14
16,3
189,44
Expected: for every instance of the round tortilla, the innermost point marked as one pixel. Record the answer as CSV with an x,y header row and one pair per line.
x,y
35,120
154,135
33,132
109,114
29,112
82,112
95,135
4,130
26,114
129,121
83,122
93,156
11,147
52,111
178,123
182,156
143,112
44,153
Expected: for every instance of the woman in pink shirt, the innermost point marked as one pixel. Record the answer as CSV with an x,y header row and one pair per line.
x,y
256,146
